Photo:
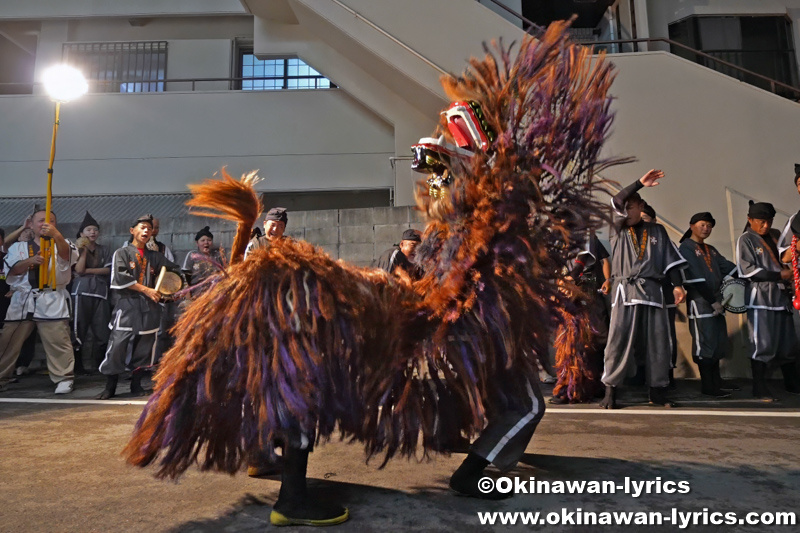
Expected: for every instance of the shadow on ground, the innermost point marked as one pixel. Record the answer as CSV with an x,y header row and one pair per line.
x,y
434,508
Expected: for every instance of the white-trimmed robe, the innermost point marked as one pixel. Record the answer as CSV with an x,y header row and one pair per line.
x,y
769,319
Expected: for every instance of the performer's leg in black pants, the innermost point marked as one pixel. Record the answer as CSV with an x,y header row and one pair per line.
x,y
294,506
502,442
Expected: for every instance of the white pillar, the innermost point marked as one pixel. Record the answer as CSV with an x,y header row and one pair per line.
x,y
53,35
642,26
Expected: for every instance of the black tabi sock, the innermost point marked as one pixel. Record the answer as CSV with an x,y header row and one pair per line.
x,y
466,478
293,501
136,382
111,388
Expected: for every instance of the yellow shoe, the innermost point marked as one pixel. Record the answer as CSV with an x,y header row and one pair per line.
x,y
263,468
278,519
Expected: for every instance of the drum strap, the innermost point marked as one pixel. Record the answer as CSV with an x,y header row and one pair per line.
x,y
772,247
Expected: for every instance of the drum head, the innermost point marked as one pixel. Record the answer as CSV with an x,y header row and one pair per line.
x,y
734,293
171,283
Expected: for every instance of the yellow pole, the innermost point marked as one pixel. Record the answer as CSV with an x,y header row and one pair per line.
x,y
45,245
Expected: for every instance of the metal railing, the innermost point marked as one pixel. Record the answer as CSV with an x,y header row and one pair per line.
x,y
234,83
773,84
391,37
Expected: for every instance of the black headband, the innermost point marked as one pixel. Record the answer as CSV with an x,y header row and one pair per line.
x,y
761,211
705,216
205,232
698,217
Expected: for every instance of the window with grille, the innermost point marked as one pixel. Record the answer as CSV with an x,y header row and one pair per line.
x,y
760,44
279,73
124,67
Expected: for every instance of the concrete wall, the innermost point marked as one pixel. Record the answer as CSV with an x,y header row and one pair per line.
x,y
197,47
41,9
707,132
514,5
661,13
355,235
160,142
359,236
16,66
369,63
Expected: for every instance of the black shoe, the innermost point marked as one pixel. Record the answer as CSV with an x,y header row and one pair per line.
x,y
709,385
760,389
136,384
658,397
468,480
791,381
558,400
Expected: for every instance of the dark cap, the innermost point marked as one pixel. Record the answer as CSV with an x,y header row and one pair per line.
x,y
698,217
648,210
88,220
761,211
144,218
205,232
412,235
705,216
277,213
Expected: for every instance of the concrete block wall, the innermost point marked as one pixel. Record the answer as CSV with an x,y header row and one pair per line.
x,y
356,235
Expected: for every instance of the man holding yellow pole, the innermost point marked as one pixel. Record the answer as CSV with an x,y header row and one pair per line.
x,y
39,271
44,309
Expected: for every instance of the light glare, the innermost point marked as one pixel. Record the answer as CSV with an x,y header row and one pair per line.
x,y
64,83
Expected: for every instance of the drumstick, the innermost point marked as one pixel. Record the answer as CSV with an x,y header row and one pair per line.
x,y
727,300
160,278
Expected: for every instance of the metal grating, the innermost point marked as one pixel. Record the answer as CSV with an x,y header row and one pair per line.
x,y
70,209
120,67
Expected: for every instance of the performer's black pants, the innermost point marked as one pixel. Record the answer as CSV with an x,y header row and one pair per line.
x,y
506,436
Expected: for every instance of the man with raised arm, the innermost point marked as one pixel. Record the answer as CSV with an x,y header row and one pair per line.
x,y
641,256
46,310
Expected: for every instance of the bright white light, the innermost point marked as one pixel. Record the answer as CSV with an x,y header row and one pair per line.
x,y
64,83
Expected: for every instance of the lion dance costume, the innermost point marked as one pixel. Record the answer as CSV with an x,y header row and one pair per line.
x,y
290,346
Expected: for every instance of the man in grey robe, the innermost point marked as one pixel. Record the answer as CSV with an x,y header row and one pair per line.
x,y
137,314
90,307
703,281
769,320
641,256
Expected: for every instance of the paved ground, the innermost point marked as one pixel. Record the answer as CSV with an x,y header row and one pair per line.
x,y
61,470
